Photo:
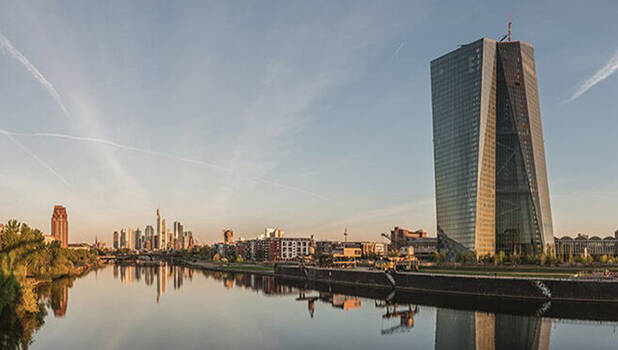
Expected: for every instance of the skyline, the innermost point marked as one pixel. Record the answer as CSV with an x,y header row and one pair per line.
x,y
314,133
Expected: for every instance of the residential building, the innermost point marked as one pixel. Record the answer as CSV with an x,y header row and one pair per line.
x,y
60,225
490,173
292,248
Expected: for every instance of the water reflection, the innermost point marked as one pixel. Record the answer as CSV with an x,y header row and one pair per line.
x,y
392,317
461,329
487,331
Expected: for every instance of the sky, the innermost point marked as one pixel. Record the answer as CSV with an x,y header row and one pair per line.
x,y
312,117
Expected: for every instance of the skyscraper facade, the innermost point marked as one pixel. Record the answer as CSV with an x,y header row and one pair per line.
x,y
116,239
60,225
149,237
491,181
159,238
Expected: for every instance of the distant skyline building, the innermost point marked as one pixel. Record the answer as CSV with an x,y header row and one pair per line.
x,y
116,238
228,236
164,235
159,239
60,226
149,237
490,175
138,239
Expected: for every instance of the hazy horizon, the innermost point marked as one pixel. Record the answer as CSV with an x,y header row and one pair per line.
x,y
309,117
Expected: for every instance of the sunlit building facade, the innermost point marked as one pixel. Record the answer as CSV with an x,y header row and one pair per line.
x,y
60,225
490,175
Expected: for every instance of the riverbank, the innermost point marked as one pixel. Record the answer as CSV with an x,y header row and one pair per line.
x,y
238,268
494,287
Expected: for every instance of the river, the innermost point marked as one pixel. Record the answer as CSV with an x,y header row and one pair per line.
x,y
173,307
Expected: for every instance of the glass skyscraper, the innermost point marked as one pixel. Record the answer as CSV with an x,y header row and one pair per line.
x,y
491,181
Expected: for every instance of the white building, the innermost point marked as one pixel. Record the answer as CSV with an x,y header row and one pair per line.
x,y
294,247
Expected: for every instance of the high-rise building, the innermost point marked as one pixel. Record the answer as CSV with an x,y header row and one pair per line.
x,y
148,237
228,236
159,238
164,235
491,181
127,238
116,240
123,239
60,225
178,235
138,239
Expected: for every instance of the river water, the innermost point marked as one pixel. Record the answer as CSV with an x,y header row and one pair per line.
x,y
172,307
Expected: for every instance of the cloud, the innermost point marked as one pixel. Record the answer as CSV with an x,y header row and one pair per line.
x,y
8,47
610,68
10,135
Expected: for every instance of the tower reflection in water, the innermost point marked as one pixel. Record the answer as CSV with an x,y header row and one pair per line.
x,y
56,295
461,329
455,329
159,273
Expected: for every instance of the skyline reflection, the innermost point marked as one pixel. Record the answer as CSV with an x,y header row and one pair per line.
x,y
281,308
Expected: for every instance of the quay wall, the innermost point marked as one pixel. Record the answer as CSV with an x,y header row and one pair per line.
x,y
522,288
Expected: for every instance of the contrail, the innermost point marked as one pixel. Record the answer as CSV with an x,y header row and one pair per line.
x,y
397,50
6,45
27,150
610,68
154,153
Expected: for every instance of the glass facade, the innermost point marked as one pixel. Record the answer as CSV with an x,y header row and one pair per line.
x,y
463,102
491,181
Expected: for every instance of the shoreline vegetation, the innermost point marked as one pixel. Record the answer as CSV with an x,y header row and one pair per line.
x,y
501,265
27,265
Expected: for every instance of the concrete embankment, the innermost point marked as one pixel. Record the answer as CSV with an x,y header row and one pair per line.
x,y
515,288
220,268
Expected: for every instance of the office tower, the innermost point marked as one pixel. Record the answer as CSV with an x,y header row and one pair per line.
x,y
116,240
123,239
491,182
138,239
164,235
178,231
130,238
149,237
159,239
60,225
228,236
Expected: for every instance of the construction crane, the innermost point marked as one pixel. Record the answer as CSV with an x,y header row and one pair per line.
x,y
507,36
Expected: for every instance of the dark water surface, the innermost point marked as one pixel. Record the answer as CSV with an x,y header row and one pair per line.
x,y
171,307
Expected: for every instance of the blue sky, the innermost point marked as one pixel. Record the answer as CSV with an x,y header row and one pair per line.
x,y
308,116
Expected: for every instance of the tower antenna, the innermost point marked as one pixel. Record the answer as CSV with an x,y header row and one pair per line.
x,y
510,26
